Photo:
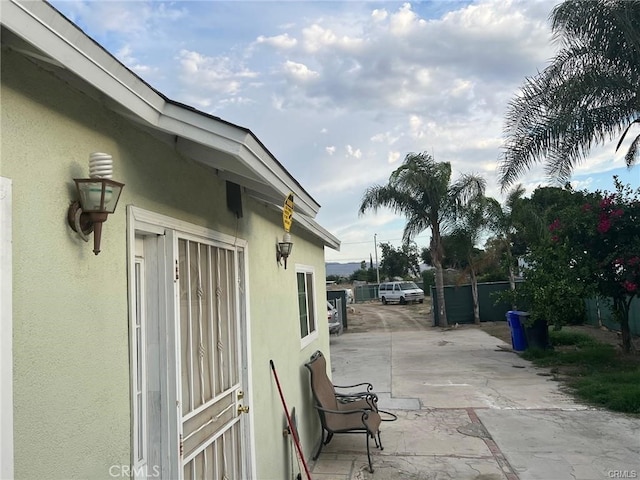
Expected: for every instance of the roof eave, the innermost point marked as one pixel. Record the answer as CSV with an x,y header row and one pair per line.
x,y
46,29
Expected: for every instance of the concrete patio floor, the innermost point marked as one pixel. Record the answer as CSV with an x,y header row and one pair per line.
x,y
469,410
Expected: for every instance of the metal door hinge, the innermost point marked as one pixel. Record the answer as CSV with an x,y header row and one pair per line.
x,y
243,409
177,271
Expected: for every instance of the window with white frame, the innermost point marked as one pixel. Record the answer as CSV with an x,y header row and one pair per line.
x,y
306,301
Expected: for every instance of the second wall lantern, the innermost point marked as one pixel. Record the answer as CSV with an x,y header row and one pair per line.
x,y
283,249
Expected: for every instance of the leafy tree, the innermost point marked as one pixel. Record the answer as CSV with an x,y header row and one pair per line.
x,y
401,262
606,240
494,253
472,222
591,247
515,225
455,246
553,290
364,274
587,95
428,279
421,190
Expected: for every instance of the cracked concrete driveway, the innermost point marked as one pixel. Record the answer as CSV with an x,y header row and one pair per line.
x,y
467,409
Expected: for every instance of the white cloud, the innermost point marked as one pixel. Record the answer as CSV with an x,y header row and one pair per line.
x,y
299,72
283,41
340,92
393,157
353,152
379,15
317,38
404,22
220,75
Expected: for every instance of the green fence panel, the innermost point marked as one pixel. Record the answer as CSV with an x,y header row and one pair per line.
x,y
459,303
606,316
490,309
342,295
365,293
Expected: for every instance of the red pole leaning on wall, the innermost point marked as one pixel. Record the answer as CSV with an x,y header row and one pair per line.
x,y
292,428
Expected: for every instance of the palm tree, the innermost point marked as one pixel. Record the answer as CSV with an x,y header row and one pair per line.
x,y
421,190
586,96
503,221
474,219
515,225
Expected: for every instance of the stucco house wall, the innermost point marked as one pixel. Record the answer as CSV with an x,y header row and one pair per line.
x,y
71,370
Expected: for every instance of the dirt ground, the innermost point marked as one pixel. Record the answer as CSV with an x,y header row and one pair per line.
x,y
373,316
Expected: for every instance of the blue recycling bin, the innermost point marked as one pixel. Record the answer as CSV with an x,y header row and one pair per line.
x,y
518,336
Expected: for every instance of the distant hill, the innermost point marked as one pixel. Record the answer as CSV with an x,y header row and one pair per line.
x,y
341,269
346,269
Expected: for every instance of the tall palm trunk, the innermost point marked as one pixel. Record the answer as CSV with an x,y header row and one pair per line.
x,y
512,275
474,294
442,311
436,260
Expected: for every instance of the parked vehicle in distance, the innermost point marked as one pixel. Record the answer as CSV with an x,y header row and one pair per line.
x,y
400,292
335,325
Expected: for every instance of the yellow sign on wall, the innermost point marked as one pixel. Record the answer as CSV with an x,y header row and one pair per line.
x,y
287,212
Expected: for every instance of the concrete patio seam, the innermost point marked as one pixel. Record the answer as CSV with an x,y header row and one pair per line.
x,y
493,447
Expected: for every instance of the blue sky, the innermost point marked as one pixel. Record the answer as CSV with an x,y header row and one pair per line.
x,y
341,91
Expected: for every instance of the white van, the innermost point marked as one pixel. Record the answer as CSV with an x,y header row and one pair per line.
x,y
400,292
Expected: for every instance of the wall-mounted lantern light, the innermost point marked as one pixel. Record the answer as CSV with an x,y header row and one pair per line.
x,y
98,197
283,249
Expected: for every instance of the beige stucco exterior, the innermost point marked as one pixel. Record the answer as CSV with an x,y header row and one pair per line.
x,y
72,405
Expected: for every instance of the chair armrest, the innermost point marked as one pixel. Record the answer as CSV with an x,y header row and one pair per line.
x,y
368,401
369,386
356,395
370,398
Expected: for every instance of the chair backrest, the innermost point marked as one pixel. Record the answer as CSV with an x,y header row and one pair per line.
x,y
323,390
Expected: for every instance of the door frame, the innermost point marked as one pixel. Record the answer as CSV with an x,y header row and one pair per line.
x,y
145,222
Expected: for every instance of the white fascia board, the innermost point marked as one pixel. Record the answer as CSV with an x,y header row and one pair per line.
x,y
39,24
193,140
42,26
311,225
240,143
256,189
287,183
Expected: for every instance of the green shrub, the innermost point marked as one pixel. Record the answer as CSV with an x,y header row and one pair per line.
x,y
563,337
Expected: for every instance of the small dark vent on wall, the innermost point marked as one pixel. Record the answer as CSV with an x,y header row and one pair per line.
x,y
234,199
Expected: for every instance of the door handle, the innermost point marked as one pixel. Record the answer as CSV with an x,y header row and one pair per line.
x,y
243,409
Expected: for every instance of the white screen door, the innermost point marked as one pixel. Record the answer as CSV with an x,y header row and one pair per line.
x,y
210,375
189,345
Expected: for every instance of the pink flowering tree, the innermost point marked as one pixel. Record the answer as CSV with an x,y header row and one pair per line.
x,y
605,238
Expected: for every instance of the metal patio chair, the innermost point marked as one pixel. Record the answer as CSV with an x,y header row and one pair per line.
x,y
348,412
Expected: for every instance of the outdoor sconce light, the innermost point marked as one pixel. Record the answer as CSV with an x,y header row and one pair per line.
x,y
98,197
283,249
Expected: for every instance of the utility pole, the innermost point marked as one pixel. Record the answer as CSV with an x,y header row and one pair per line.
x,y
375,248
